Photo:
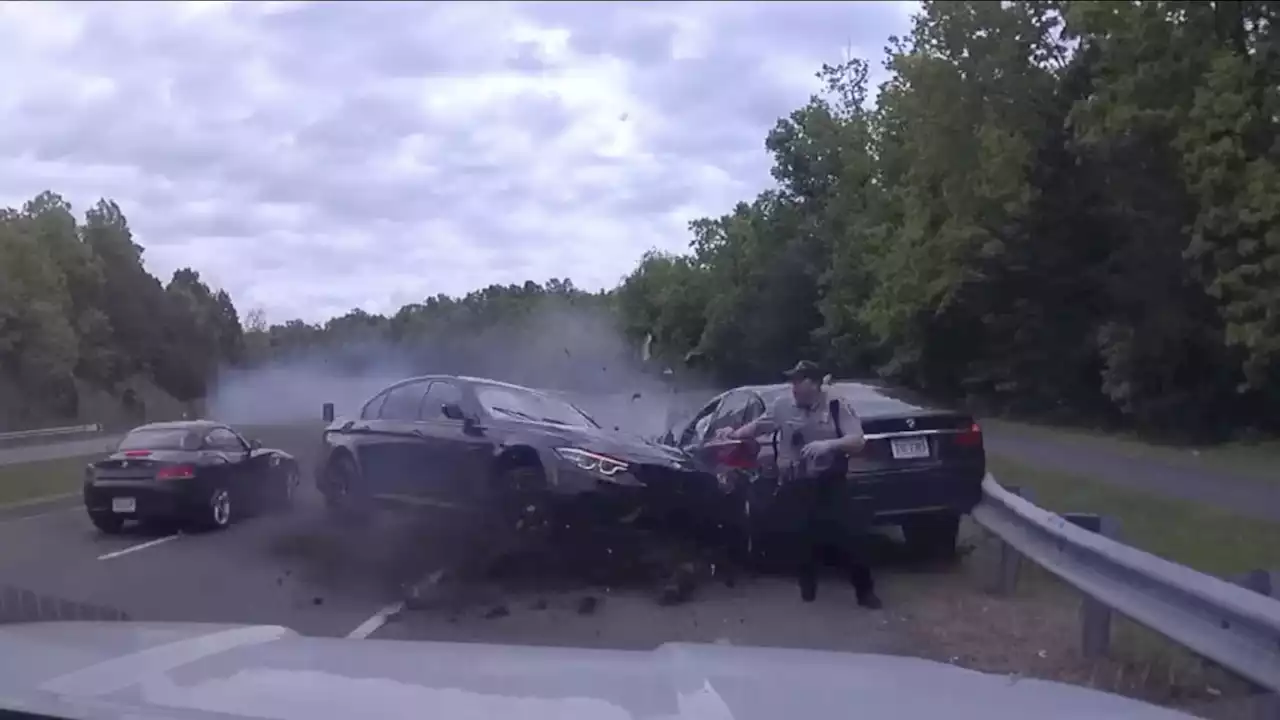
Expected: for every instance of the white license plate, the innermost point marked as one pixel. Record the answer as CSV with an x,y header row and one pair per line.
x,y
124,505
909,448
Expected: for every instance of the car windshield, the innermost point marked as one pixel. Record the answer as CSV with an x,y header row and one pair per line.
x,y
510,402
160,439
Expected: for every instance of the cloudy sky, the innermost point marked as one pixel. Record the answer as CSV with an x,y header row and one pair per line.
x,y
314,157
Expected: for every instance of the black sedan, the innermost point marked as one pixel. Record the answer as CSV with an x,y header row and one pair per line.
x,y
538,460
921,469
200,473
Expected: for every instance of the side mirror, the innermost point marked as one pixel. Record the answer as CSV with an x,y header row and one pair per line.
x,y
255,444
453,411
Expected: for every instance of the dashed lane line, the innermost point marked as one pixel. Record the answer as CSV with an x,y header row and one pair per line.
x,y
380,618
139,546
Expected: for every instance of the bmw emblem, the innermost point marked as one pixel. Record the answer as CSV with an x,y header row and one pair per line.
x,y
124,463
911,423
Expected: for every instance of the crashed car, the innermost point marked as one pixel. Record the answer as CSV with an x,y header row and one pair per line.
x,y
535,459
921,468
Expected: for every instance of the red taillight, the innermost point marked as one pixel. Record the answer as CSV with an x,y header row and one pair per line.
x,y
176,472
741,454
137,453
971,437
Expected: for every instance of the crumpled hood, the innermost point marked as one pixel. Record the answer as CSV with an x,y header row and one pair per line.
x,y
624,446
165,670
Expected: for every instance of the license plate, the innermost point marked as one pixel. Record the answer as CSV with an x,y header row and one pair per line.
x,y
909,448
124,505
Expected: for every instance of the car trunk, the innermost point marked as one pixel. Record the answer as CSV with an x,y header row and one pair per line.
x,y
138,465
916,441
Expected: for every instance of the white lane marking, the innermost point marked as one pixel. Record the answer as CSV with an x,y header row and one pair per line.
x,y
140,546
367,628
380,618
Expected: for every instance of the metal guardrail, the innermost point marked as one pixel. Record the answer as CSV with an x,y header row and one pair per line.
x,y
50,432
1230,625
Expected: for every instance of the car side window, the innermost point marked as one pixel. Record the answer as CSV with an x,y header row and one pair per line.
x,y
698,425
439,394
730,415
403,402
225,440
755,408
371,408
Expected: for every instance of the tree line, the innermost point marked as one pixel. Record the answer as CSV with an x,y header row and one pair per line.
x,y
1062,209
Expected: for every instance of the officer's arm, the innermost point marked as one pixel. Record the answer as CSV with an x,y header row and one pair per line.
x,y
852,441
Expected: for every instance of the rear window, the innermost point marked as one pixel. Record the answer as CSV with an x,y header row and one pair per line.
x,y
160,439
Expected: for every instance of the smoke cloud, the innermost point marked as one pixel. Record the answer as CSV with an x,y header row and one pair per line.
x,y
567,348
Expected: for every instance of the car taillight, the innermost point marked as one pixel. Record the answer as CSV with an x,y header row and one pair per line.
x,y
176,472
741,454
971,437
137,453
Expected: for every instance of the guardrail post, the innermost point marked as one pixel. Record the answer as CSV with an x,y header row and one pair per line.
x,y
1095,618
1009,564
327,412
1266,705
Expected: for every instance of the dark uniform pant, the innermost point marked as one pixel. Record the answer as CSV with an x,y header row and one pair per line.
x,y
825,519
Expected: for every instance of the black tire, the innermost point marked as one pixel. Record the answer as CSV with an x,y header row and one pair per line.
x,y
217,512
342,497
107,523
522,505
932,537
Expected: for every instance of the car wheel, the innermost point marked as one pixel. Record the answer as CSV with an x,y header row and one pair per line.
x,y
521,505
932,537
107,523
342,499
217,511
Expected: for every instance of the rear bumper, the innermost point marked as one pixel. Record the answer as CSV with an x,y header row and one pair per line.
x,y
892,497
153,500
881,498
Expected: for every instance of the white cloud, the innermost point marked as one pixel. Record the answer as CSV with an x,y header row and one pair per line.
x,y
314,157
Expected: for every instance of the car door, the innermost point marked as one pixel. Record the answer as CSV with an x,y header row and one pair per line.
x,y
236,463
457,450
391,445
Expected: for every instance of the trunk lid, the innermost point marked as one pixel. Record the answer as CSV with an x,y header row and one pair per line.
x,y
138,465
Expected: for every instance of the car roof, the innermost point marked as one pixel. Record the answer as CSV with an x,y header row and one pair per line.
x,y
191,425
867,396
460,378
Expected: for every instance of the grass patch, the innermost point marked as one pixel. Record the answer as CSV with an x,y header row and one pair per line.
x,y
1258,461
1200,537
27,481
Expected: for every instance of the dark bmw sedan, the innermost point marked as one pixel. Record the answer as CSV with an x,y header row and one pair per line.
x,y
199,473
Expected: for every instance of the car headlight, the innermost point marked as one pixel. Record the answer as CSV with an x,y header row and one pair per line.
x,y
593,462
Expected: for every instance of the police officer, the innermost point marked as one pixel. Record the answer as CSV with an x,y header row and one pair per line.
x,y
816,435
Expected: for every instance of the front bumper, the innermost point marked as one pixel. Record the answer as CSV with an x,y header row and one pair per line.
x,y
649,494
166,499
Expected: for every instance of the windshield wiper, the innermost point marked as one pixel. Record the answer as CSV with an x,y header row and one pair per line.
x,y
516,413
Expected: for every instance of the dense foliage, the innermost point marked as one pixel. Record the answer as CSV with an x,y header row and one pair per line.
x,y
1065,208
1068,209
78,313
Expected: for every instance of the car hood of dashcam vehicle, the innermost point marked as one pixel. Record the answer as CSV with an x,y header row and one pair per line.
x,y
167,670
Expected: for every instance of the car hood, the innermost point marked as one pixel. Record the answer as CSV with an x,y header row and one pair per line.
x,y
164,670
631,448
